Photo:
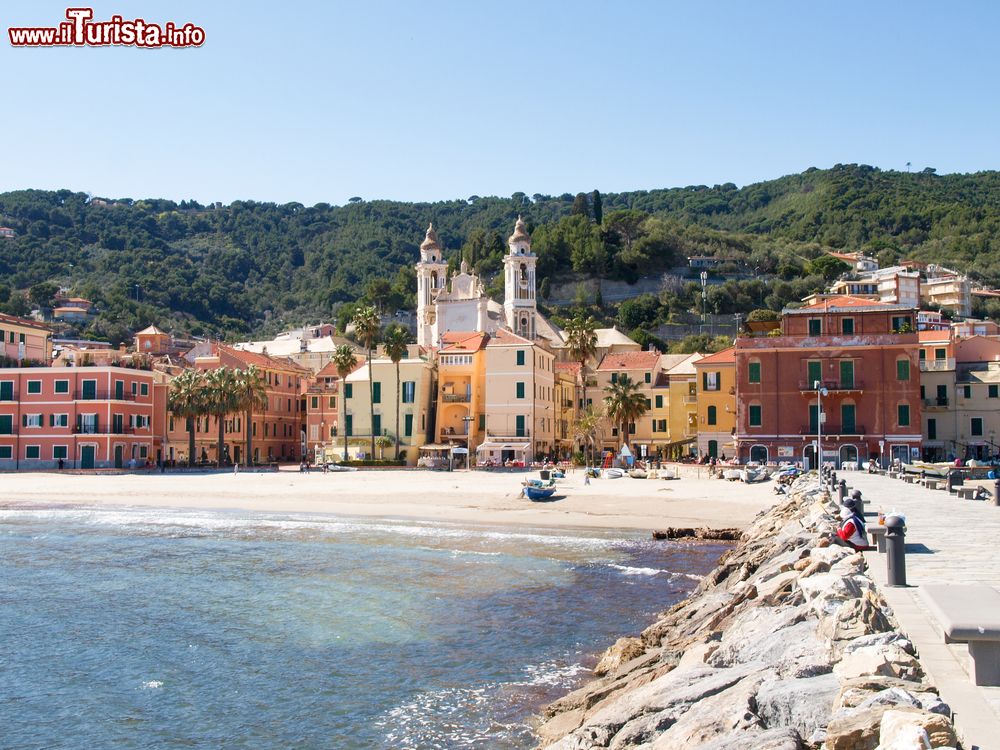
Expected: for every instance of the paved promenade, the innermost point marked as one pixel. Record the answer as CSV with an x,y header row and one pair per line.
x,y
948,541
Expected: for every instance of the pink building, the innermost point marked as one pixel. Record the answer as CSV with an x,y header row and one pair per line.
x,y
76,417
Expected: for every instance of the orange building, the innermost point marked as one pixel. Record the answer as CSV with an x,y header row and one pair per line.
x,y
864,356
23,340
78,417
321,404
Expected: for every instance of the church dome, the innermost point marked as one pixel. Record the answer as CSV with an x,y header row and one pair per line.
x,y
431,240
520,232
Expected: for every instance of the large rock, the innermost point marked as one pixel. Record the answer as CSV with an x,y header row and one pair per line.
x,y
853,619
778,637
769,739
856,690
803,704
624,650
888,660
854,729
880,639
898,726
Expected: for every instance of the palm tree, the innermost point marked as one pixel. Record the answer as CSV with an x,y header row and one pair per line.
x,y
582,341
222,399
395,340
624,404
586,429
366,328
251,394
186,399
345,361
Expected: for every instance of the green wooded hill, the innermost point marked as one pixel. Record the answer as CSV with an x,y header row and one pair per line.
x,y
257,267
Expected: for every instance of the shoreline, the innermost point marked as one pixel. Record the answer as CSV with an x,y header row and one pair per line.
x,y
464,498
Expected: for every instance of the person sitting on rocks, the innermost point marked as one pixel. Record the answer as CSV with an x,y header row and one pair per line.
x,y
852,529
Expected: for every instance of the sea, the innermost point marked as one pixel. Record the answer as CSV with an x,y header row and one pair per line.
x,y
150,628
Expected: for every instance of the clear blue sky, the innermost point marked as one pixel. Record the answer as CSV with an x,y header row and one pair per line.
x,y
321,101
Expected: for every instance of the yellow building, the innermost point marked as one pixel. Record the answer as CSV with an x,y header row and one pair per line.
x,y
414,405
23,341
461,398
642,368
567,397
659,413
520,409
716,395
683,409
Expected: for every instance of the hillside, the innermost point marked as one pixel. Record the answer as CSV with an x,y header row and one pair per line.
x,y
231,270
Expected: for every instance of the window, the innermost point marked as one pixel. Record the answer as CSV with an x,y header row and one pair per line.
x,y
939,354
377,425
6,424
315,402
519,426
409,391
407,425
663,425
135,388
482,421
977,426
349,425
348,390
903,415
902,324
20,338
6,451
614,377
31,420
993,390
34,386
755,415
631,428
923,355
61,386
376,392
32,451
932,429
848,425
649,377
710,381
520,357
847,326
7,390
942,395
813,418
119,389
59,451
902,369
814,372
143,389
89,390
847,373
753,372
333,402
967,391
659,402
519,390
815,327
710,419
58,420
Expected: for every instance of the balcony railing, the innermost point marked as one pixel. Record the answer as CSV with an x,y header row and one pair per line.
x,y
832,385
937,365
690,398
105,396
836,429
105,430
932,402
456,398
452,432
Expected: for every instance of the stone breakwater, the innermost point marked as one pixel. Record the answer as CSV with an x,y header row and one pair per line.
x,y
785,645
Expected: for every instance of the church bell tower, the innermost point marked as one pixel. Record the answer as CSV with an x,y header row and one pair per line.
x,y
519,304
431,279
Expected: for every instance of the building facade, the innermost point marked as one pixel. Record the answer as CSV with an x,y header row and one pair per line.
x,y
715,381
23,340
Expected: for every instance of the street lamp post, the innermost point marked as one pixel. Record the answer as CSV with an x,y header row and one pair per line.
x,y
820,392
704,298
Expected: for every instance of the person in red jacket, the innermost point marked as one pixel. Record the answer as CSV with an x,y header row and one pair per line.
x,y
852,529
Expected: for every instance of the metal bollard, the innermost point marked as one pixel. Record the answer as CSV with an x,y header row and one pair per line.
x,y
895,551
954,479
841,491
996,492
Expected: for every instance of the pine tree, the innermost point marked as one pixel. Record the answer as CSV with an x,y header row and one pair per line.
x,y
580,205
597,206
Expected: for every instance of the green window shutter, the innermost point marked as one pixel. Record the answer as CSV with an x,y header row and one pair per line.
x,y
349,425
814,372
407,425
614,377
977,426
520,357
993,390
755,416
903,415
348,390
848,423
847,326
704,381
377,425
923,355
519,390
89,390
7,390
932,429
815,327
847,373
376,393
649,377
519,425
6,424
902,369
711,415
34,386
62,386
659,402
482,421
753,372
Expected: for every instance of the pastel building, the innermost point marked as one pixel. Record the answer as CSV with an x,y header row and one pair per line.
x,y
321,409
25,340
683,406
568,392
520,413
642,368
413,407
83,417
715,381
864,356
461,394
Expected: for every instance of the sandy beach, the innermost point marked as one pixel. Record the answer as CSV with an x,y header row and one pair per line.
x,y
459,497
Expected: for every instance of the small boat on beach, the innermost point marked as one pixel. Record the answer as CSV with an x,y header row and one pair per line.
x,y
613,473
538,493
637,473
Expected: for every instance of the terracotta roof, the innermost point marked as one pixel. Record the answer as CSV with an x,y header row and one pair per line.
x,y
726,356
261,360
629,361
845,300
151,331
465,341
573,367
506,337
943,335
25,322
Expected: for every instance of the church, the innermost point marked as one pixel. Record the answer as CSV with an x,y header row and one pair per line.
x,y
462,304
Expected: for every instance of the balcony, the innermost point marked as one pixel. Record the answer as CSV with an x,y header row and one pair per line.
x,y
105,430
456,398
836,429
105,396
844,386
932,403
937,365
690,398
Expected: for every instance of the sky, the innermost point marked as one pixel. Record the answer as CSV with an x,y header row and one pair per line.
x,y
322,101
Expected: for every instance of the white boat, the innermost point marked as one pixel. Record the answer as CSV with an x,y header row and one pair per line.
x,y
930,469
637,473
338,467
732,474
612,473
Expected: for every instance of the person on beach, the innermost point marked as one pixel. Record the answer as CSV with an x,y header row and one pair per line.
x,y
852,529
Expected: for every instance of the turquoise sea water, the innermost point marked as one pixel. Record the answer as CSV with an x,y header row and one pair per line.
x,y
141,628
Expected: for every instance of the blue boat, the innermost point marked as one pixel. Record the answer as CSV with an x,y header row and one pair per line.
x,y
538,493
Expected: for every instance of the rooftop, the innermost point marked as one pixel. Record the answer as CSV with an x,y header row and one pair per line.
x,y
629,361
726,356
506,337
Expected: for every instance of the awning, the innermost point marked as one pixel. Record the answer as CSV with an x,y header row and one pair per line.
x,y
491,446
436,447
459,450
